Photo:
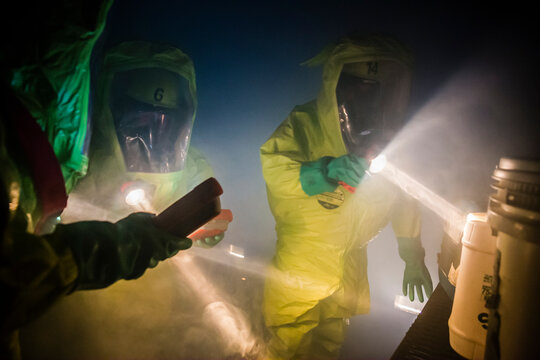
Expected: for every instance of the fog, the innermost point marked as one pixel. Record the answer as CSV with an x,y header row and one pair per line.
x,y
470,105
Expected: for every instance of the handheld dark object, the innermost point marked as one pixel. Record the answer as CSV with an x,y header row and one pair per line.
x,y
193,210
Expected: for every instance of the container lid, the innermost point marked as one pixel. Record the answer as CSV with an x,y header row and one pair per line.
x,y
481,217
529,165
477,233
515,175
514,212
517,182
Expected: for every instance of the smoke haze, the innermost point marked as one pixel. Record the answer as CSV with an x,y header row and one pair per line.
x,y
470,106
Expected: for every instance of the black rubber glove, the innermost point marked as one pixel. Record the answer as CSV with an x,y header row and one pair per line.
x,y
107,252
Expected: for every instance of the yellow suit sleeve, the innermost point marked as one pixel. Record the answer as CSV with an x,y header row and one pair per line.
x,y
281,161
406,217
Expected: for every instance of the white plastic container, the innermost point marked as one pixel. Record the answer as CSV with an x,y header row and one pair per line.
x,y
468,320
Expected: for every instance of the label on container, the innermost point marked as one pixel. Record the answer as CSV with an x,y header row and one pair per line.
x,y
487,292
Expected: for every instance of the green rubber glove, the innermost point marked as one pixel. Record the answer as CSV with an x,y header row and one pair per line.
x,y
313,177
209,242
323,175
348,168
107,252
416,274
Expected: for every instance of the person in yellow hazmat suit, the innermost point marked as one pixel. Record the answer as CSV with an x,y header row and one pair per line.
x,y
140,159
327,207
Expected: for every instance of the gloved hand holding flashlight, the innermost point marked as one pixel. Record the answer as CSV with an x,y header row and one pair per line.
x,y
326,173
372,166
128,248
349,169
107,252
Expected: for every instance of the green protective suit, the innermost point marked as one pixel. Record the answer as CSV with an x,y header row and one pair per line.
x,y
45,61
51,72
318,275
100,194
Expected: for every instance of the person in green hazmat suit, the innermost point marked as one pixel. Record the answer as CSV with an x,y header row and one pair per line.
x,y
327,207
45,82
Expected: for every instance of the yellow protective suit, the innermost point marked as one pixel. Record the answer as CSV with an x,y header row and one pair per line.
x,y
99,194
149,302
318,275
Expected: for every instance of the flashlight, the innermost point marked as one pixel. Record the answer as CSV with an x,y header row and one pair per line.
x,y
136,196
375,166
193,210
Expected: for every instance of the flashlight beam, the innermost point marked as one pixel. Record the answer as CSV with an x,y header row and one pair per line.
x,y
446,211
233,326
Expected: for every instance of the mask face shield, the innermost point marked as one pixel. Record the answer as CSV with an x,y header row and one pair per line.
x,y
372,99
152,111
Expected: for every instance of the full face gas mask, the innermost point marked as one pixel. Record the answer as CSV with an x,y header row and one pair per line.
x,y
372,99
152,110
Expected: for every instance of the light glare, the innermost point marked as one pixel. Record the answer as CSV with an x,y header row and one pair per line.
x,y
135,197
412,307
377,164
236,251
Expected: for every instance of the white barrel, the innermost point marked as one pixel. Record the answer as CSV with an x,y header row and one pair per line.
x,y
468,320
